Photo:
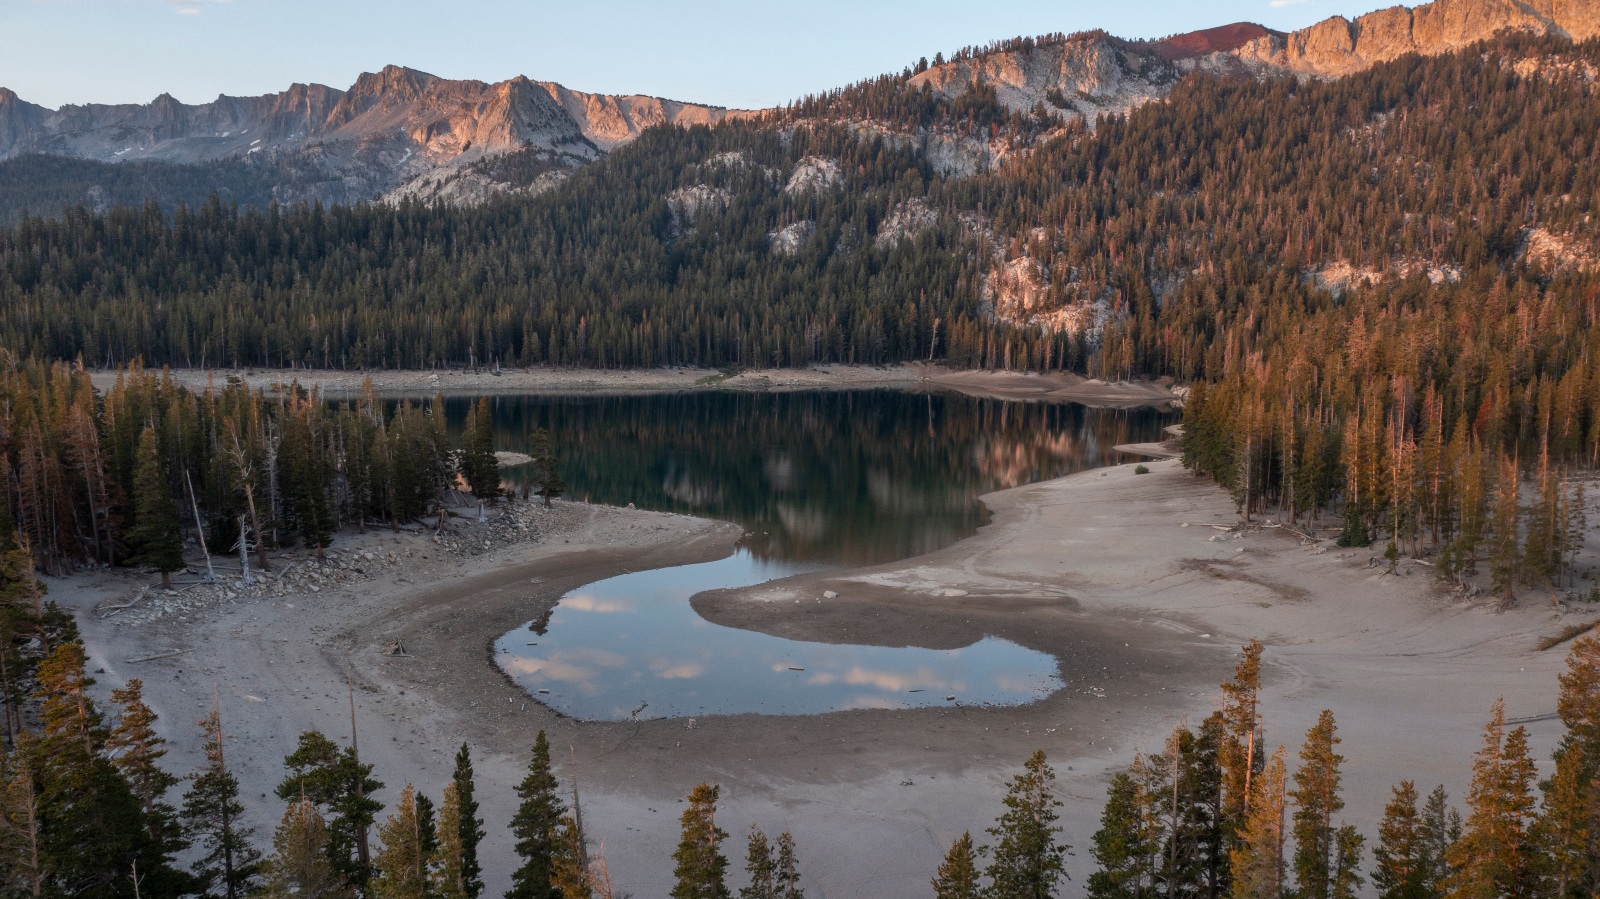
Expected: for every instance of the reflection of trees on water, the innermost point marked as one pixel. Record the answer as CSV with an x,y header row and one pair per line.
x,y
850,476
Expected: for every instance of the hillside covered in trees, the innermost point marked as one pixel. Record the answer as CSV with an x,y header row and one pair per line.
x,y
1384,286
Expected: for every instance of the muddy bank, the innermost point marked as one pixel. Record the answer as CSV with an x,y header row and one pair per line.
x,y
1055,387
1139,584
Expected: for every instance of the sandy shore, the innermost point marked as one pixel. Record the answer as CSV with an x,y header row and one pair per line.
x,y
1135,582
1025,386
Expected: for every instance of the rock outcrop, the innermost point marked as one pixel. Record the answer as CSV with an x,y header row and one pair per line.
x,y
389,128
1338,46
405,133
1088,74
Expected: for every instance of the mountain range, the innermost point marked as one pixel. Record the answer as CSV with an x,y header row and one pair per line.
x,y
405,133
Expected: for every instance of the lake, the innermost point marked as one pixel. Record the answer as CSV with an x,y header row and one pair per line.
x,y
818,480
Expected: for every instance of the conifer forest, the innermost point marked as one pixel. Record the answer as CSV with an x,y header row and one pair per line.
x,y
1373,300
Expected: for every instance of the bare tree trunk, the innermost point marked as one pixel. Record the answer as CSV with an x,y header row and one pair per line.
x,y
199,529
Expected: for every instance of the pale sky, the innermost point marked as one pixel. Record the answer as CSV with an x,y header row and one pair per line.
x,y
742,54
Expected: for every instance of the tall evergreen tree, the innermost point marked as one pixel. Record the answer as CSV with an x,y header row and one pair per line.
x,y
1441,828
1125,846
760,866
1238,754
957,877
1317,800
338,783
137,750
545,467
1491,860
478,463
23,860
1029,858
447,878
299,867
1256,858
154,537
701,868
401,867
471,826
1567,833
92,825
535,826
211,809
1401,872
787,882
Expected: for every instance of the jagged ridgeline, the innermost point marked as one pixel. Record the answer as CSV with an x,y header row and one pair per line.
x,y
1178,239
1343,244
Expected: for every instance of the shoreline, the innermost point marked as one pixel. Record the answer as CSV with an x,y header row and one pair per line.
x,y
1139,584
1054,387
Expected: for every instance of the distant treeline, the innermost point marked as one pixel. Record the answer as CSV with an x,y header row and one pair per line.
x,y
121,477
1342,266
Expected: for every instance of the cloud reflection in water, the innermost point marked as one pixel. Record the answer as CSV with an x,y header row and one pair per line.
x,y
651,649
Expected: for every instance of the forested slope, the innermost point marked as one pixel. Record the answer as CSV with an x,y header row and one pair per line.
x,y
1385,285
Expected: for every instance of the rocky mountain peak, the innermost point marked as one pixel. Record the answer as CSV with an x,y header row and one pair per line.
x,y
1222,39
1338,46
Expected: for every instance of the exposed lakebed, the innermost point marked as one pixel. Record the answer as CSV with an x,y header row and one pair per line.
x,y
818,480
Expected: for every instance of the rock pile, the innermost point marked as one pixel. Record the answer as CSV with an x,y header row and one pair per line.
x,y
296,574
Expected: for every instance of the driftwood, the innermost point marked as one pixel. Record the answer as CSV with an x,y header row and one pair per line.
x,y
112,610
160,655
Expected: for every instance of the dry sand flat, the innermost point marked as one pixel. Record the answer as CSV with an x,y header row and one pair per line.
x,y
1099,568
1026,386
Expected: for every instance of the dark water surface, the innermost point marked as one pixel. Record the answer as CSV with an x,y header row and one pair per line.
x,y
838,478
818,480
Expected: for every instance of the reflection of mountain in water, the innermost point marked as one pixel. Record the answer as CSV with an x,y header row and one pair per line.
x,y
851,477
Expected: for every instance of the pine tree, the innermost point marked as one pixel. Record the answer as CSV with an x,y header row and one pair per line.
x,y
1256,858
761,867
92,825
154,537
137,749
570,873
1028,856
1441,828
479,464
1238,754
22,852
1400,870
447,879
306,477
788,869
1347,843
545,471
535,826
340,785
471,826
1491,859
299,867
957,877
701,868
1567,833
399,862
1504,559
427,826
1317,801
1125,844
211,810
